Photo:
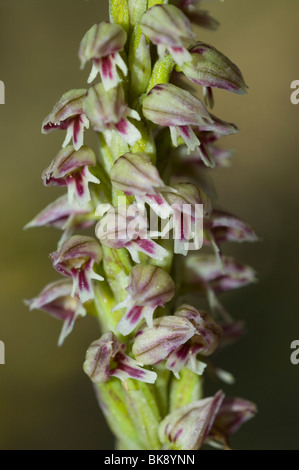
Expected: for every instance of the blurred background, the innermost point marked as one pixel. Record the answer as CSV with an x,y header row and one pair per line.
x,y
46,401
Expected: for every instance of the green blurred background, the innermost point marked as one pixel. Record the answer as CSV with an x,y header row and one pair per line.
x,y
46,402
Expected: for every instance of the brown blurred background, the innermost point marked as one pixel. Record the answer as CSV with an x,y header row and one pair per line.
x,y
46,402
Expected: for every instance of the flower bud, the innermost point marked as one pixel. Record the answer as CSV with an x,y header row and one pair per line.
x,y
68,114
190,206
208,333
102,44
187,427
211,68
167,27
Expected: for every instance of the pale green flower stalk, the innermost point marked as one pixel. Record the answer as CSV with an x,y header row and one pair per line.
x,y
156,140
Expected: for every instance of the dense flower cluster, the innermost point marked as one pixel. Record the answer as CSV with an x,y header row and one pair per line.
x,y
156,141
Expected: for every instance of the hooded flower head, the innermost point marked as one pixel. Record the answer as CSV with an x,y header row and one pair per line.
x,y
102,45
167,27
57,300
76,259
135,175
170,106
215,129
149,287
126,227
108,112
188,427
178,339
71,168
106,358
68,115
